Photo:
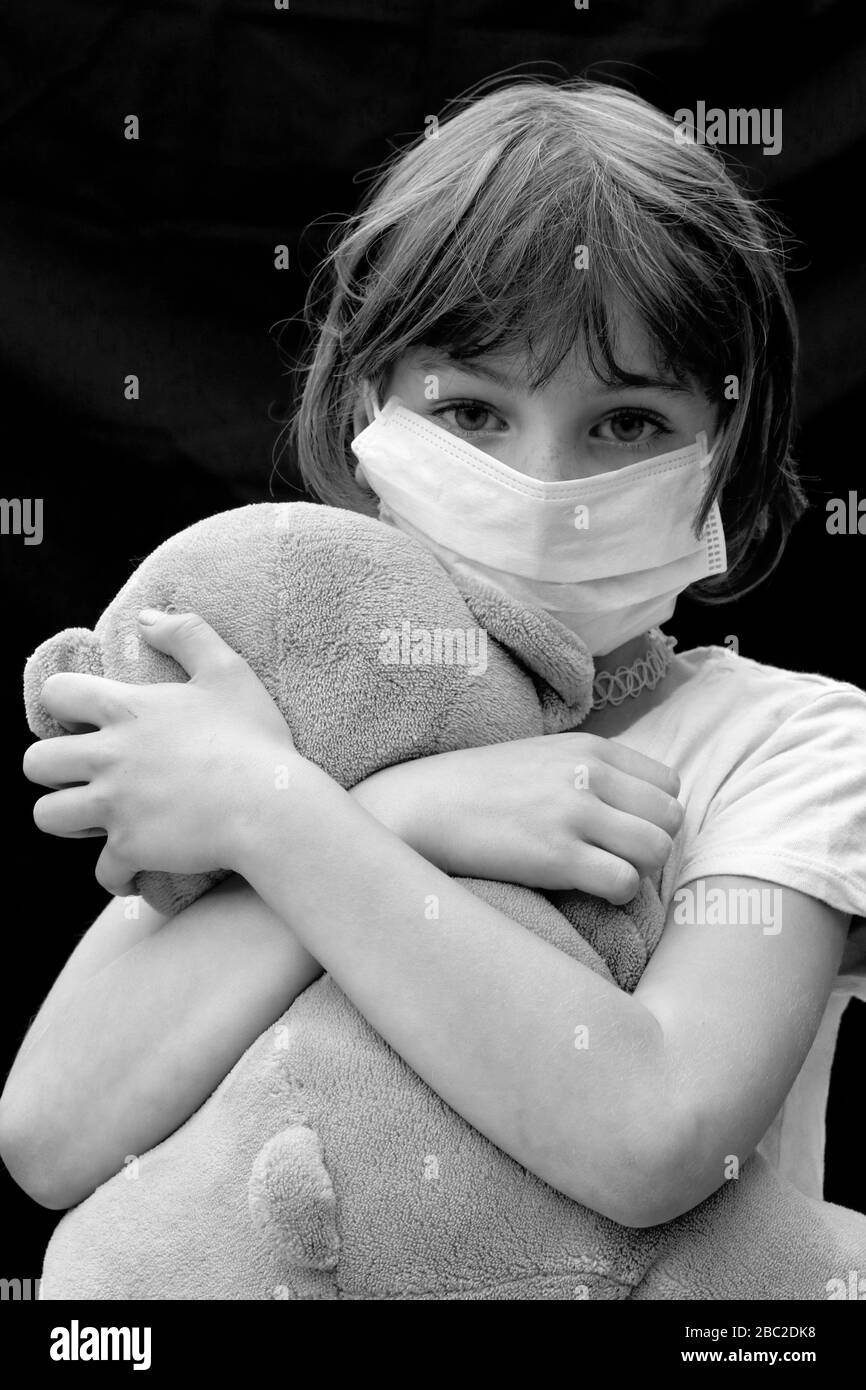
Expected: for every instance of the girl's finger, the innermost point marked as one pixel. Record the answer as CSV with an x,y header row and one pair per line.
x,y
114,875
639,842
73,697
636,797
60,762
190,640
69,813
635,763
604,875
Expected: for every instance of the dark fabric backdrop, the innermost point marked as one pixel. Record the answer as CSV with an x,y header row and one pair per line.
x,y
156,257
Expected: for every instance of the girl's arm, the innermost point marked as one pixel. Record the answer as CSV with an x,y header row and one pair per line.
x,y
694,1065
103,1070
142,1024
106,1068
641,1123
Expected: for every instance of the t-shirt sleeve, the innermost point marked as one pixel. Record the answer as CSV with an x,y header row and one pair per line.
x,y
793,811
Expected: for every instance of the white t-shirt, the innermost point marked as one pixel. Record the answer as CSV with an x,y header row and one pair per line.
x,y
772,765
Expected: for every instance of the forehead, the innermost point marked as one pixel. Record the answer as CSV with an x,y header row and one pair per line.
x,y
513,367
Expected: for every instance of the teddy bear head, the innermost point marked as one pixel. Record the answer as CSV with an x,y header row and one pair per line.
x,y
371,651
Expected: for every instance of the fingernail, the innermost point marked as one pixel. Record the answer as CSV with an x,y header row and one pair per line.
x,y
149,615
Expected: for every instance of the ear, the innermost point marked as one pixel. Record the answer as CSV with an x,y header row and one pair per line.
x,y
74,649
562,661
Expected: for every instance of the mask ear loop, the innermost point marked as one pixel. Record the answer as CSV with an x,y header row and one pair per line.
x,y
371,403
372,410
707,455
713,534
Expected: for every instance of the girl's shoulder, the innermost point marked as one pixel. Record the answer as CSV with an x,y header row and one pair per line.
x,y
720,674
773,770
721,715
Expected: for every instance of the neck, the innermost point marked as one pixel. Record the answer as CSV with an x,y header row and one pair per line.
x,y
623,655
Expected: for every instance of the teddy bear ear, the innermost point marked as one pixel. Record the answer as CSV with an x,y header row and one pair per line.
x,y
74,649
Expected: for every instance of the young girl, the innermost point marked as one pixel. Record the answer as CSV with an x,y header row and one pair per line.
x,y
586,329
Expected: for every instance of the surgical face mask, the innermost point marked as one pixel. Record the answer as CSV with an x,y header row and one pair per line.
x,y
607,555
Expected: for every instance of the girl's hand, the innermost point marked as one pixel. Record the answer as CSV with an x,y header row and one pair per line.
x,y
170,771
559,811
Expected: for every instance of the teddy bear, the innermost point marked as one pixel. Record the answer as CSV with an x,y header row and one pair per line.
x,y
322,1166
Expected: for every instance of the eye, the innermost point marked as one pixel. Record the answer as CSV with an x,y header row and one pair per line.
x,y
632,428
469,417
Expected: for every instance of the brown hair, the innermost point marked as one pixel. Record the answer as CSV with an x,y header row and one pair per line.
x,y
466,242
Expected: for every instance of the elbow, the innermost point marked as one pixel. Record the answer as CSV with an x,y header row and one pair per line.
x,y
664,1177
653,1205
29,1158
656,1175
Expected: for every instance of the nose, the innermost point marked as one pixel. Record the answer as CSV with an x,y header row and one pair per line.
x,y
548,458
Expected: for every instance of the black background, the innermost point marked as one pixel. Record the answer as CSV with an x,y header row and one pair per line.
x,y
157,257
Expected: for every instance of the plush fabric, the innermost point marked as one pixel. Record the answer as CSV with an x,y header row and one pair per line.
x,y
322,1167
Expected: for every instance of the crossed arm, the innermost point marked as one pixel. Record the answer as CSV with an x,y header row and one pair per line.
x,y
148,1017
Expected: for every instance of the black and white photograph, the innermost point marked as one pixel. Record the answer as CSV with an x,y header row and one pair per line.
x,y
432,537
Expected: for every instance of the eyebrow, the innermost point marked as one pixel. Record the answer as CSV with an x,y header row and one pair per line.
x,y
634,382
637,382
469,367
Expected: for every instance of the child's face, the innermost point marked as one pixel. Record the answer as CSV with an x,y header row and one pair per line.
x,y
572,427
